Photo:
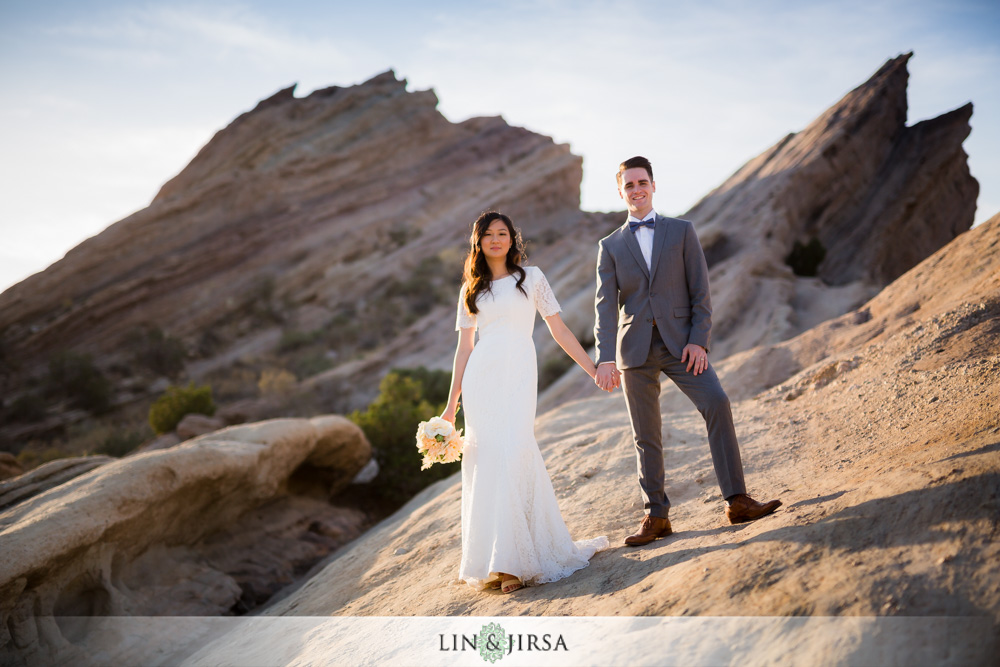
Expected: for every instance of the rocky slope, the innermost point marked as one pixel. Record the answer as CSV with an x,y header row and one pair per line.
x,y
324,235
881,437
211,527
338,218
883,441
856,180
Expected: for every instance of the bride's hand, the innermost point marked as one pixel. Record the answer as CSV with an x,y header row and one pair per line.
x,y
449,416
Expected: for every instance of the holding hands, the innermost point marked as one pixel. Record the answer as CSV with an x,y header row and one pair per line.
x,y
607,377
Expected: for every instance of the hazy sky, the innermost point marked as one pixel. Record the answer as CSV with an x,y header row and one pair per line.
x,y
102,102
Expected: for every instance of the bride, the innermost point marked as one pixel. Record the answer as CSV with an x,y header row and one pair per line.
x,y
512,531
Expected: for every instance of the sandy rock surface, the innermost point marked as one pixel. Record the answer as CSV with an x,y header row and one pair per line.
x,y
885,452
213,526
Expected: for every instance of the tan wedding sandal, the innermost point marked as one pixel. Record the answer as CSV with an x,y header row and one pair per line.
x,y
511,585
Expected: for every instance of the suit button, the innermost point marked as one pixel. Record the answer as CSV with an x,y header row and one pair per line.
x,y
652,294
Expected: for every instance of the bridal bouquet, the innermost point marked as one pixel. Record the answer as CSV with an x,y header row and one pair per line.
x,y
439,442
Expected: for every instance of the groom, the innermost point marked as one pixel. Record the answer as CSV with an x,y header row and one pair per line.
x,y
654,314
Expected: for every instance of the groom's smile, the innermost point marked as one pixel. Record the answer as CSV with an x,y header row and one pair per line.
x,y
637,190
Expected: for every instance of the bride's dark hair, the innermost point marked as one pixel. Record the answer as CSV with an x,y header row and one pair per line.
x,y
477,275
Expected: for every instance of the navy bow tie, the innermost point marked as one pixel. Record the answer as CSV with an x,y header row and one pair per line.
x,y
636,224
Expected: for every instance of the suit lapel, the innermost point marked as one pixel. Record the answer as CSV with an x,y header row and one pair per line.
x,y
659,235
633,246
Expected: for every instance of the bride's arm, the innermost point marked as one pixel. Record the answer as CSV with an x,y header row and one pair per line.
x,y
466,341
568,342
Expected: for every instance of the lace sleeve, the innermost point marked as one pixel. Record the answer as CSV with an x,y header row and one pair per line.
x,y
545,300
464,319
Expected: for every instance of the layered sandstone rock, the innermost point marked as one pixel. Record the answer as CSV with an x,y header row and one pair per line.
x,y
859,181
216,525
343,212
884,451
344,215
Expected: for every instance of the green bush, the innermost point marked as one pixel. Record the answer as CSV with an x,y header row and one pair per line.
x,y
308,365
168,410
553,369
293,339
390,424
75,377
25,408
805,258
156,351
121,442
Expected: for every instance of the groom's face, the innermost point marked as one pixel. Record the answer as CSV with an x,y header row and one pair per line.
x,y
637,190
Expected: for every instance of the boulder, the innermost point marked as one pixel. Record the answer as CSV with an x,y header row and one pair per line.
x,y
193,425
213,526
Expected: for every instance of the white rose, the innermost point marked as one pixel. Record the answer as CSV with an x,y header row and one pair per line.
x,y
437,426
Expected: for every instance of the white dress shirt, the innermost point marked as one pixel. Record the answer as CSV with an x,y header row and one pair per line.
x,y
644,235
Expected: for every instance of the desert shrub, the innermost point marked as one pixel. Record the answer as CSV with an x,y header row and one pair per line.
x,y
258,301
209,342
156,351
120,442
311,364
293,339
25,408
435,384
805,258
35,455
400,235
276,382
390,424
553,369
169,409
74,376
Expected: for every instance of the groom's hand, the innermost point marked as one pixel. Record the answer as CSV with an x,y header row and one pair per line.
x,y
607,377
696,358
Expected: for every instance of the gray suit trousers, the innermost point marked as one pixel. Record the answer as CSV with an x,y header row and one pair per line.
x,y
642,396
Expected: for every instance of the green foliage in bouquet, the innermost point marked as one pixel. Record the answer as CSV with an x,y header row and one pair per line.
x,y
168,410
406,398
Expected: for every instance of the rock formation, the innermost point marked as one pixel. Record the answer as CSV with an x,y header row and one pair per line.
x,y
343,213
332,222
873,418
880,436
885,448
216,525
856,180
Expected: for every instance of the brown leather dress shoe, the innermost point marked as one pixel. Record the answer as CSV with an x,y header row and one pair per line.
x,y
651,528
741,508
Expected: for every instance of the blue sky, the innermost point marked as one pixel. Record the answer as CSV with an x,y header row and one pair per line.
x,y
102,102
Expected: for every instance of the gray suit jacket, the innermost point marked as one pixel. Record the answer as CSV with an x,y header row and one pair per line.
x,y
674,293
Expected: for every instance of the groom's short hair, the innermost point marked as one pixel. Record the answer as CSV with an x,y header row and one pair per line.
x,y
632,163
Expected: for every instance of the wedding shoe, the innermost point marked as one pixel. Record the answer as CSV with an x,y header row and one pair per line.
x,y
511,585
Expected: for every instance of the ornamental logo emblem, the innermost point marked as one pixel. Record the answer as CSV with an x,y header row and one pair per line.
x,y
492,642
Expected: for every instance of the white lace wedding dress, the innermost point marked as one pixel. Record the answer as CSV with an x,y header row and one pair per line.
x,y
510,518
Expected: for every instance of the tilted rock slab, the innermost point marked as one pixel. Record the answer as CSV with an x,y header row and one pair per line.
x,y
879,195
193,530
